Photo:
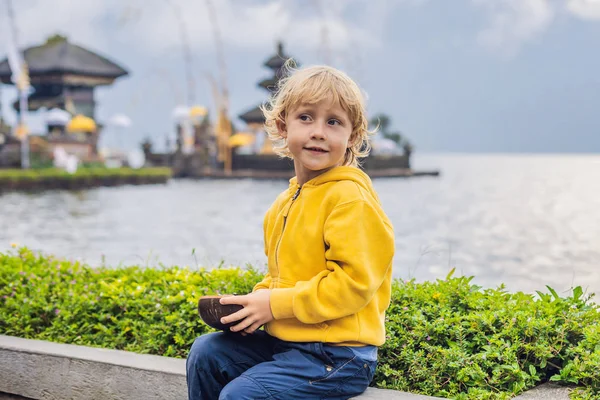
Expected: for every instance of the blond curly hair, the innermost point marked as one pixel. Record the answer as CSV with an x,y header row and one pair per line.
x,y
311,85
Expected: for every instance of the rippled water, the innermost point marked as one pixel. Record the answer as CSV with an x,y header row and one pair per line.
x,y
522,220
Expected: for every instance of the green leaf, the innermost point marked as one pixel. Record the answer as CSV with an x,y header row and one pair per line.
x,y
541,294
577,292
556,296
566,370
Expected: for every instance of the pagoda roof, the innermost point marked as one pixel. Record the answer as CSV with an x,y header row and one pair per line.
x,y
59,56
269,83
254,115
276,61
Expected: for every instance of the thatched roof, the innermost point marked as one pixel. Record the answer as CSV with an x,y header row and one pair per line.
x,y
254,115
59,56
277,60
269,83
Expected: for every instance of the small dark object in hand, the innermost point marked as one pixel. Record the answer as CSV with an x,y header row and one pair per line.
x,y
211,311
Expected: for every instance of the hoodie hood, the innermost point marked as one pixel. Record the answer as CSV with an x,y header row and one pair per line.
x,y
344,173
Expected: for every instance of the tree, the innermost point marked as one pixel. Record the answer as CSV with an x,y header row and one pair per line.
x,y
383,122
147,146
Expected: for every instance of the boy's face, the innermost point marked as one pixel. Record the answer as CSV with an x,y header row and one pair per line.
x,y
317,136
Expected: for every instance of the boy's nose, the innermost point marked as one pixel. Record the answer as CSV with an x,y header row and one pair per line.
x,y
318,132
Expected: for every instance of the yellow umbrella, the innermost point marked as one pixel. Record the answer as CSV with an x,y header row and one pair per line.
x,y
241,139
21,131
198,111
81,123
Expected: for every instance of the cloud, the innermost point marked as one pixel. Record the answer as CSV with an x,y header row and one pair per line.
x,y
514,23
157,27
586,9
38,19
302,24
146,35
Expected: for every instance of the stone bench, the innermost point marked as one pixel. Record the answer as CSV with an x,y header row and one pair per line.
x,y
40,370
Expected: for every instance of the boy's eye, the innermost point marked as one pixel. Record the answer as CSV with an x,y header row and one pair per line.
x,y
334,122
304,117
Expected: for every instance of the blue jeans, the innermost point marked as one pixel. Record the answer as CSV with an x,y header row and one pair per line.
x,y
259,366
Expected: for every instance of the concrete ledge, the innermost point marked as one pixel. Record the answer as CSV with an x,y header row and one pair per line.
x,y
43,370
546,391
6,396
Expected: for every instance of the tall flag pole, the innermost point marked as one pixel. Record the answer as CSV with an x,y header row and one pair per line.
x,y
20,77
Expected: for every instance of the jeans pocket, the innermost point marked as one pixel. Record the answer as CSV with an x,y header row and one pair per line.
x,y
322,354
337,360
334,372
350,380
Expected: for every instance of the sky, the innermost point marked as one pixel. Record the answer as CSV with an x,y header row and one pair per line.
x,y
454,76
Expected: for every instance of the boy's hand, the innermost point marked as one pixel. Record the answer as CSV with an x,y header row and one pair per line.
x,y
256,311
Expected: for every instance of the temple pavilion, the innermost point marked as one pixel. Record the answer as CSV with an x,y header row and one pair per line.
x,y
64,76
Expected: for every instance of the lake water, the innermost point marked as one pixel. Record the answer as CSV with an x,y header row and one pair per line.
x,y
522,220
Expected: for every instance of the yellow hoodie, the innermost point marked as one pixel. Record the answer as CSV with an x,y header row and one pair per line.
x,y
329,247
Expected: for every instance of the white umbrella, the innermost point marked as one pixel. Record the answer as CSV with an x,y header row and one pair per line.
x,y
136,159
181,113
120,120
56,116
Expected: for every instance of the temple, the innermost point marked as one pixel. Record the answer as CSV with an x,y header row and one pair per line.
x,y
254,117
63,76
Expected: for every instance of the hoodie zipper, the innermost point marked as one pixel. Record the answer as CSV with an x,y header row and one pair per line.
x,y
294,197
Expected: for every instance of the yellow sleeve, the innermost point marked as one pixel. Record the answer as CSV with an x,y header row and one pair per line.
x,y
264,284
360,248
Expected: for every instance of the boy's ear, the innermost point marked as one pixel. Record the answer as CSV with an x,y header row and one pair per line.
x,y
281,128
352,141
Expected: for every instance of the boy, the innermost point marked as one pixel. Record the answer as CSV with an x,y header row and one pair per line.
x,y
329,247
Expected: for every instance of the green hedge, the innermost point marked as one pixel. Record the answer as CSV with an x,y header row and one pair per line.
x,y
92,172
87,177
448,338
